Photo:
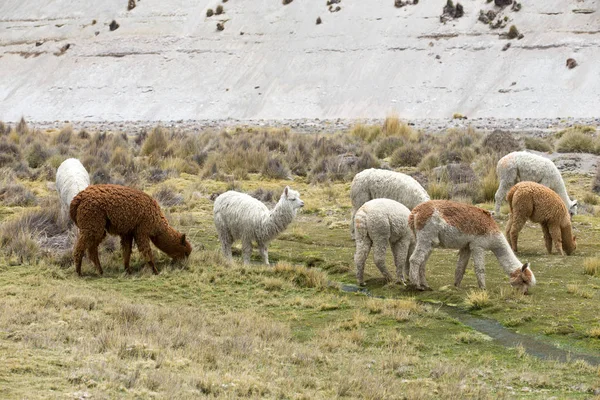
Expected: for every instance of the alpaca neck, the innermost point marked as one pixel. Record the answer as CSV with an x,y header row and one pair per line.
x,y
566,234
506,257
562,192
166,240
279,218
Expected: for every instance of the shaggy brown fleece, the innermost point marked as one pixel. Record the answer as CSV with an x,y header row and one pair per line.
x,y
468,219
129,213
530,200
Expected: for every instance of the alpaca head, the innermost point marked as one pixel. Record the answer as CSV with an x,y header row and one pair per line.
x,y
568,247
573,208
522,278
292,198
182,249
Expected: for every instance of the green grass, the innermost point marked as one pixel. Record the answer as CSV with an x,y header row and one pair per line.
x,y
209,328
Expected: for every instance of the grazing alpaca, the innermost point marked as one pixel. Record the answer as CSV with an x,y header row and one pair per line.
x,y
380,183
129,213
71,178
453,225
530,200
240,216
523,166
377,223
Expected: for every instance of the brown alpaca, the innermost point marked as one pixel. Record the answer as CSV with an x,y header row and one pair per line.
x,y
530,200
129,213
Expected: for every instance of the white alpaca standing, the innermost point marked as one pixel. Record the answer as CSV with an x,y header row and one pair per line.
x,y
523,166
448,224
380,183
240,216
377,223
71,178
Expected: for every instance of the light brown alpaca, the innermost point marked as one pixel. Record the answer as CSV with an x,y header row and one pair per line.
x,y
129,213
530,200
452,225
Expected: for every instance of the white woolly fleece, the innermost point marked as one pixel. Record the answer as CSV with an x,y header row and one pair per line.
x,y
71,178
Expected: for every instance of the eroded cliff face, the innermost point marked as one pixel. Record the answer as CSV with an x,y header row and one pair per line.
x,y
167,60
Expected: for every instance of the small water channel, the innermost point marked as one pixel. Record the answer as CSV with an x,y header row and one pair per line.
x,y
499,333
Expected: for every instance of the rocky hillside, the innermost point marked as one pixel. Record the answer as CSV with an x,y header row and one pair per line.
x,y
167,60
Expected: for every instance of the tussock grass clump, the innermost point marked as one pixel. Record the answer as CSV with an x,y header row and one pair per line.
x,y
580,291
500,143
274,168
591,198
302,276
4,129
65,135
576,141
401,309
477,299
410,155
37,155
488,186
367,133
155,143
14,194
594,333
387,146
469,337
22,127
167,196
538,144
9,153
591,266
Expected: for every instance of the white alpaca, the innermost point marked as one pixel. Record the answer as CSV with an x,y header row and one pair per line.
x,y
523,166
71,178
380,183
240,216
377,223
453,225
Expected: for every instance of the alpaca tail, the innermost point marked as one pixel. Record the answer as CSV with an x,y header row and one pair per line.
x,y
73,208
509,197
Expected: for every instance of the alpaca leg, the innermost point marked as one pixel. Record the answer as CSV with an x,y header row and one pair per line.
x,y
262,248
517,224
406,271
143,244
547,238
461,265
126,244
379,249
93,255
417,264
400,251
556,236
363,246
352,233
79,252
500,196
246,250
479,260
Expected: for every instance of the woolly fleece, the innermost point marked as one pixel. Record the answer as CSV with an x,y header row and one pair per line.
x,y
71,178
530,200
523,166
443,223
240,216
129,213
377,223
380,183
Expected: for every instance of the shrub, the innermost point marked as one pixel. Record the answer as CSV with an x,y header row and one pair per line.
x,y
430,161
4,129
590,198
439,188
513,32
537,144
264,195
22,127
575,141
274,168
37,155
596,182
408,156
64,136
285,2
209,12
155,143
167,196
219,10
366,160
501,143
368,133
319,21
387,146
392,126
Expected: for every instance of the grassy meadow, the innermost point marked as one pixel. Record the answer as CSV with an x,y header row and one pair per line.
x,y
211,329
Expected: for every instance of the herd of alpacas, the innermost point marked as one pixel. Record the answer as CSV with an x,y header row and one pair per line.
x,y
388,208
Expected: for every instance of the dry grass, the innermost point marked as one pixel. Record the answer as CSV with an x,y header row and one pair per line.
x,y
591,266
578,290
478,299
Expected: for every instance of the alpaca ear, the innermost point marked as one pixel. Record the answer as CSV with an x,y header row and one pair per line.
x,y
574,203
285,191
183,239
524,267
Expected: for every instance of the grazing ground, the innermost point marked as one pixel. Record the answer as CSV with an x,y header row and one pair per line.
x,y
213,329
